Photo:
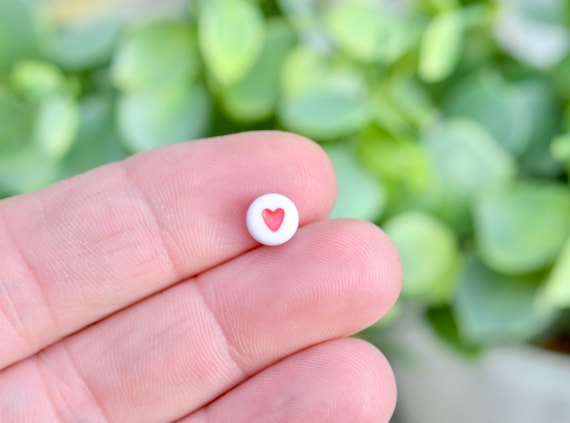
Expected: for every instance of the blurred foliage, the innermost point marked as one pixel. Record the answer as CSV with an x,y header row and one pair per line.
x,y
448,122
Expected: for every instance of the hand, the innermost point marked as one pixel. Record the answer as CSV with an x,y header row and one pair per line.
x,y
133,293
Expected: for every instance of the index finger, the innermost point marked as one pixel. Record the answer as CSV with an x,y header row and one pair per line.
x,y
89,246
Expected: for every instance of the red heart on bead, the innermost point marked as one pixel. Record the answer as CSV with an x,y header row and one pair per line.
x,y
273,218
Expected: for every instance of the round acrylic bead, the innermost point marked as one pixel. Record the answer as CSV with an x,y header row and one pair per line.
x,y
272,219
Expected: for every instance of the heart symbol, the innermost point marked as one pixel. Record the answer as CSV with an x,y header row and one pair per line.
x,y
273,219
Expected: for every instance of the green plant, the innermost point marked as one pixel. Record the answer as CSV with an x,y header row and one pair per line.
x,y
447,126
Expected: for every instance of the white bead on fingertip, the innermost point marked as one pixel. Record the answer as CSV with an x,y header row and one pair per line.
x,y
272,219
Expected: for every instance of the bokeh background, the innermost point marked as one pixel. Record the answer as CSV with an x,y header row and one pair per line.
x,y
448,123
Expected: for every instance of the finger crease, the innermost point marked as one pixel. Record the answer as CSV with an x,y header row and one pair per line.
x,y
87,387
9,310
233,352
56,407
157,224
17,320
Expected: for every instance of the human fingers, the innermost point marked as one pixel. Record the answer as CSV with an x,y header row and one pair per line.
x,y
340,381
91,245
178,350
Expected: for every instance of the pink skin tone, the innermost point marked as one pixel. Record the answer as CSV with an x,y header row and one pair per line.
x,y
133,293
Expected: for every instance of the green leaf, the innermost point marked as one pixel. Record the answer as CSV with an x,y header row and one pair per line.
x,y
496,105
97,142
298,9
149,119
401,162
85,45
559,76
254,97
442,320
154,55
307,70
55,110
555,292
495,308
16,119
26,170
430,255
35,80
370,33
304,17
522,229
467,160
56,124
443,5
441,46
360,195
325,114
323,98
450,208
533,31
560,149
405,96
532,95
20,34
231,35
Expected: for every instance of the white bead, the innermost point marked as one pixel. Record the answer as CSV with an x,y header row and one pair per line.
x,y
272,219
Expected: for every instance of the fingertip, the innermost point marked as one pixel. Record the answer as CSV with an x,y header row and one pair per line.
x,y
389,268
244,166
371,380
315,175
380,255
365,258
342,380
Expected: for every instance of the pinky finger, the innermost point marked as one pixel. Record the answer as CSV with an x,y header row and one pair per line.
x,y
340,381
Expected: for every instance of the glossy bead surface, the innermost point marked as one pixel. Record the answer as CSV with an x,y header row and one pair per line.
x,y
272,219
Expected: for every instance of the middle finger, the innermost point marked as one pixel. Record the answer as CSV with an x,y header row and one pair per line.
x,y
178,350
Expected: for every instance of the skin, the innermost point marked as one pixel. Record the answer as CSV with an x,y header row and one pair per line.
x,y
133,293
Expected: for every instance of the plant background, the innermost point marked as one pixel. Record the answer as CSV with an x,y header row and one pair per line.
x,y
448,123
